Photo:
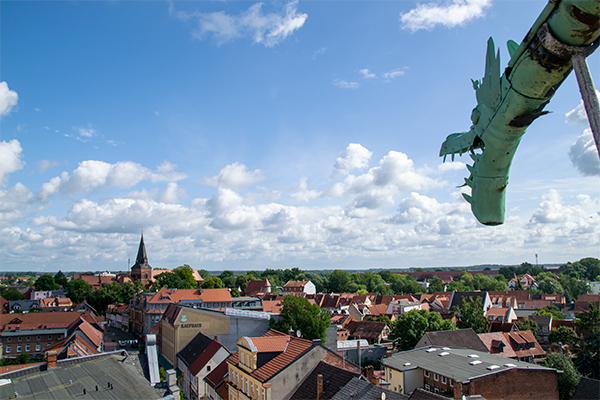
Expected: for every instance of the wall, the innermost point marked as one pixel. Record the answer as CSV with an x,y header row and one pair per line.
x,y
374,353
286,381
413,379
515,384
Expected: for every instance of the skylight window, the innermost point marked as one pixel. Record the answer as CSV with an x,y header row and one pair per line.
x,y
446,348
473,356
493,367
406,364
443,353
475,362
432,350
509,365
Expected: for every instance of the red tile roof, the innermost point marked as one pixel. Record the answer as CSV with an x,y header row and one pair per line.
x,y
205,357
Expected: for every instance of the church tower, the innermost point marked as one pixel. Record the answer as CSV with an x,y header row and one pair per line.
x,y
141,271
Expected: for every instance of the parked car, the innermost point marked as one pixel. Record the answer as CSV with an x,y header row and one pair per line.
x,y
122,343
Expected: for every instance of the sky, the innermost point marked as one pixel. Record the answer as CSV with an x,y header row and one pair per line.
x,y
244,135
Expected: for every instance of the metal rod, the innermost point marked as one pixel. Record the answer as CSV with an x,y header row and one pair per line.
x,y
588,94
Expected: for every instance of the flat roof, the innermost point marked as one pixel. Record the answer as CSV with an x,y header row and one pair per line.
x,y
456,363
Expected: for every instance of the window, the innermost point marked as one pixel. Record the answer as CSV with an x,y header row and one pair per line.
x,y
427,374
49,344
19,348
49,337
27,347
20,338
39,337
436,390
8,339
58,336
436,377
8,348
451,383
427,387
208,368
443,379
38,347
28,338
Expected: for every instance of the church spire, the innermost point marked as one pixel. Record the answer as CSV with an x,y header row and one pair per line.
x,y
142,258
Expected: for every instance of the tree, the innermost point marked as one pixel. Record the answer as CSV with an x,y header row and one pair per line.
x,y
186,273
171,280
242,281
78,290
550,285
551,310
407,330
471,315
298,314
204,273
564,335
339,281
587,350
13,294
45,282
569,379
213,283
61,279
527,324
435,285
101,298
228,278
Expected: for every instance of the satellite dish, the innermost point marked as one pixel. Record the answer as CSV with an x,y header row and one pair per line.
x,y
298,333
382,396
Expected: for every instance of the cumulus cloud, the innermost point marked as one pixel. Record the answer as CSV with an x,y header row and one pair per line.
x,y
367,74
393,74
584,154
302,193
268,29
43,165
10,159
345,84
8,99
165,172
449,13
355,156
235,176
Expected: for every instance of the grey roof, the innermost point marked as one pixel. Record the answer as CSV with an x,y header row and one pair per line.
x,y
141,261
85,373
587,389
466,338
458,364
194,348
360,389
457,298
541,320
24,305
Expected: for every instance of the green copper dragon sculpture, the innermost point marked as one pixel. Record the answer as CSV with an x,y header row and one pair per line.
x,y
565,32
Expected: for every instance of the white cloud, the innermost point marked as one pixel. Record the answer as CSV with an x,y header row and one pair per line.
x,y
345,84
43,165
355,156
10,159
578,115
449,13
268,29
322,50
14,198
165,172
8,99
367,74
584,154
393,74
235,176
301,192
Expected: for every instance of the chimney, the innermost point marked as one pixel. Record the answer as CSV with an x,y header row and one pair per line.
x,y
216,338
51,359
319,385
371,376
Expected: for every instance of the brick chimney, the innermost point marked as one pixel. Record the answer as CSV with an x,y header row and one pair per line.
x,y
51,359
371,376
319,385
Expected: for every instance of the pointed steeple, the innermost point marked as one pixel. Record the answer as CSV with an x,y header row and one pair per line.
x,y
141,260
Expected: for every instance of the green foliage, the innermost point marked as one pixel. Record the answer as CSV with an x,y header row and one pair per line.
x,y
228,278
527,324
587,350
402,284
186,273
339,281
61,279
379,318
318,280
13,294
551,310
45,282
550,285
213,283
569,379
564,335
172,280
410,327
471,315
586,268
242,281
204,273
435,285
162,373
300,315
235,292
78,290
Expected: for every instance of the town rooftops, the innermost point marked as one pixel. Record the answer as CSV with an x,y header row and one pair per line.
x,y
333,377
194,349
360,389
38,320
165,295
466,338
460,364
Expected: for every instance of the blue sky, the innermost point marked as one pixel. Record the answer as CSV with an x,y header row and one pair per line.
x,y
245,135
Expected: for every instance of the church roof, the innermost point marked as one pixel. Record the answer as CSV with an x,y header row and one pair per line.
x,y
141,260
